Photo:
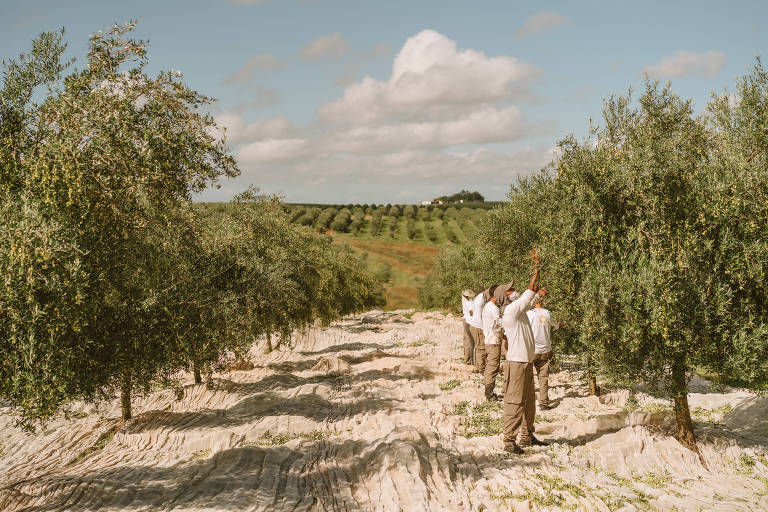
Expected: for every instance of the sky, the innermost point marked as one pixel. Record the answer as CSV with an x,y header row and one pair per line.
x,y
395,101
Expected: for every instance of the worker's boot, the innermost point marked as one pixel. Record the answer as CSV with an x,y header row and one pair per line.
x,y
490,395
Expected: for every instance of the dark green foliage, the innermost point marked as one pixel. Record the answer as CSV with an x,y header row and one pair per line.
x,y
297,213
410,228
450,232
392,226
376,217
465,196
430,231
355,226
323,221
341,221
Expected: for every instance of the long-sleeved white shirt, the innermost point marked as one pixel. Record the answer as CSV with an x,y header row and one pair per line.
x,y
466,307
491,323
476,320
540,319
517,328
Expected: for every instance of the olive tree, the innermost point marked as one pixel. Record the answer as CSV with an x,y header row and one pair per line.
x,y
92,177
671,283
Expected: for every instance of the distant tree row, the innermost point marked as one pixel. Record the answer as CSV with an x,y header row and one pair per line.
x,y
464,196
409,222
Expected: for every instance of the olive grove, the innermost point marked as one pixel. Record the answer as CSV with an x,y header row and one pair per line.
x,y
112,278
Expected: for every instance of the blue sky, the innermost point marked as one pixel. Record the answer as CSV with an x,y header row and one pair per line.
x,y
398,101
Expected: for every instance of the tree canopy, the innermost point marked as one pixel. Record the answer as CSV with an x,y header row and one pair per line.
x,y
654,232
113,279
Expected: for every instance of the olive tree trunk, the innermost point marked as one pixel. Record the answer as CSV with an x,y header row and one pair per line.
x,y
594,389
126,386
198,376
683,420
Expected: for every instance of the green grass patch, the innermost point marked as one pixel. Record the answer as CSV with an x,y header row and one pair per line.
x,y
719,383
710,416
483,420
533,496
546,491
657,480
99,445
202,454
633,405
269,439
422,342
460,409
450,385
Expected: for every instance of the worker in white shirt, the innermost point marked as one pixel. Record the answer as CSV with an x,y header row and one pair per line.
x,y
540,319
492,338
508,294
519,398
476,329
466,309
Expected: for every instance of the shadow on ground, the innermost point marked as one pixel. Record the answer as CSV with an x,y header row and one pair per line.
x,y
300,476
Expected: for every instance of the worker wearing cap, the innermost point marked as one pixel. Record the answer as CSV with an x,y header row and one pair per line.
x,y
492,335
519,398
540,319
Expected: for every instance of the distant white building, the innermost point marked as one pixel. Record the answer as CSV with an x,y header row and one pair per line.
x,y
434,201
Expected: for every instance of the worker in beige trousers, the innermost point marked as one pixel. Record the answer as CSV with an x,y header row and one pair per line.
x,y
476,330
494,338
469,342
519,399
540,319
509,295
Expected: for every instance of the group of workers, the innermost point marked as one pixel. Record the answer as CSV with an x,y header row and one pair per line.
x,y
498,322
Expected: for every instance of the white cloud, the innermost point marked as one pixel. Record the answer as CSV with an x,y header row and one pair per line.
x,y
481,126
685,63
326,46
272,150
430,72
427,125
262,62
238,131
540,22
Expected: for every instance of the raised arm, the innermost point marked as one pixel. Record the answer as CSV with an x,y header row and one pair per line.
x,y
533,284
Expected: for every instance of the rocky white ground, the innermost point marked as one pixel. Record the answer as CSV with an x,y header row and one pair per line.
x,y
377,413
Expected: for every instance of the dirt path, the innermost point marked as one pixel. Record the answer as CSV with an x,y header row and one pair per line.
x,y
377,413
